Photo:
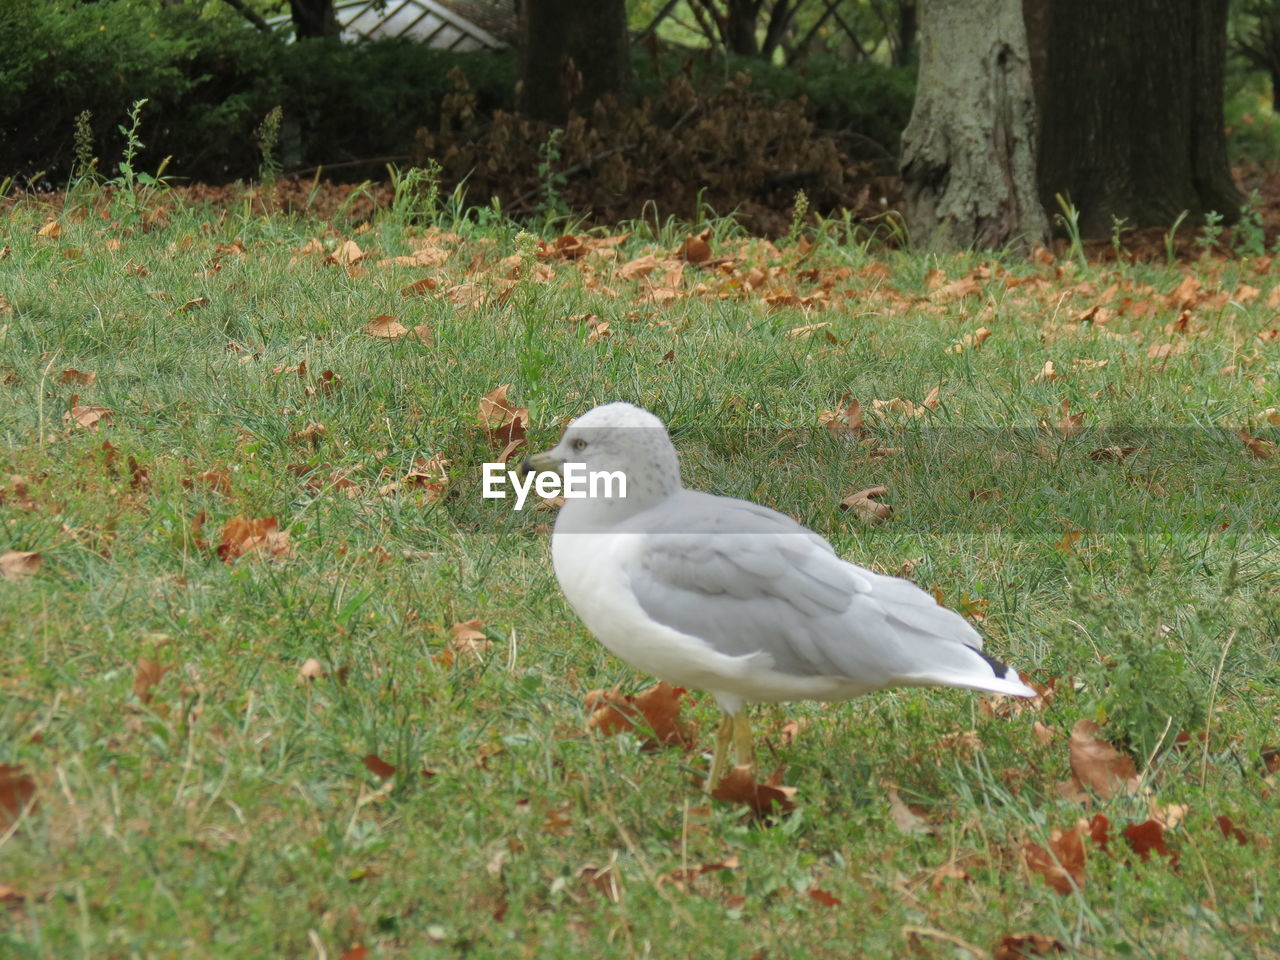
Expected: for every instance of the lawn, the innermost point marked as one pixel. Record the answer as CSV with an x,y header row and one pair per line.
x,y
282,683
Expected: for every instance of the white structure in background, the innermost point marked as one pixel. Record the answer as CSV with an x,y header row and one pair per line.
x,y
426,21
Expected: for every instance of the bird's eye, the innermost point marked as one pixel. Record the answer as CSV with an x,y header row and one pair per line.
x,y
579,444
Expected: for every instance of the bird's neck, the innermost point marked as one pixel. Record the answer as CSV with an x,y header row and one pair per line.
x,y
597,514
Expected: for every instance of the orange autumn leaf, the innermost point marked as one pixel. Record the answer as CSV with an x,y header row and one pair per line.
x,y
1062,864
245,535
658,707
763,799
696,249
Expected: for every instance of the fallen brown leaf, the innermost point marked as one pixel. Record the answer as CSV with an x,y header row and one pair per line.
x,y
468,637
1146,837
1070,423
845,420
87,416
146,674
763,799
1262,449
244,535
377,766
1098,765
1025,946
822,897
17,790
1047,374
19,563
906,818
658,707
386,327
866,504
505,424
79,377
1063,864
696,249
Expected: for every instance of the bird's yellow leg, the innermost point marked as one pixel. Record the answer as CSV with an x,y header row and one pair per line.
x,y
746,754
724,733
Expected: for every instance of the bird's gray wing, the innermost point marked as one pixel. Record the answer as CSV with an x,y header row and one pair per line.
x,y
746,579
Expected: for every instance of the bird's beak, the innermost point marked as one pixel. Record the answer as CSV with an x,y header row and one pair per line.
x,y
540,463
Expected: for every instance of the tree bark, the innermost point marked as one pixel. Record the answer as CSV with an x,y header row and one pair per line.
x,y
313,18
571,54
1131,106
968,154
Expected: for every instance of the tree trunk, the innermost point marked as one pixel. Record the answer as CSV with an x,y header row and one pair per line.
x,y
571,55
313,18
968,154
1131,104
904,50
740,27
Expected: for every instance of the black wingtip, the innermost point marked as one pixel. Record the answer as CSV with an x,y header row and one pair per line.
x,y
999,669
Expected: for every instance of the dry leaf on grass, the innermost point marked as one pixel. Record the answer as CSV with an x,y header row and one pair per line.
x,y
386,327
78,377
17,791
469,637
430,475
970,341
866,505
1047,374
1262,449
244,535
1148,837
1097,765
1026,946
684,875
1062,865
87,416
146,674
19,563
377,766
845,420
658,707
763,799
696,249
504,423
1070,423
906,818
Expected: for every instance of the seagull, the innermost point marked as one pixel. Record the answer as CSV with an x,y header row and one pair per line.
x,y
723,595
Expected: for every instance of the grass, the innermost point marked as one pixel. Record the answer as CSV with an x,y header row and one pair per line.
x,y
225,811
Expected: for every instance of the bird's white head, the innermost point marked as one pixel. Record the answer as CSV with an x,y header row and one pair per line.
x,y
611,440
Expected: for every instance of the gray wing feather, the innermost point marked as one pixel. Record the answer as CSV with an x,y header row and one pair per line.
x,y
746,579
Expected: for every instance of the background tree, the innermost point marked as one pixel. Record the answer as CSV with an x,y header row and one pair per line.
x,y
968,154
1255,35
571,54
313,18
1131,107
